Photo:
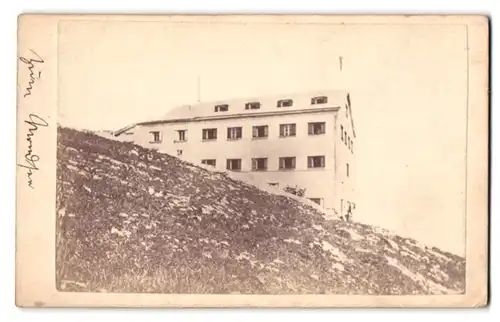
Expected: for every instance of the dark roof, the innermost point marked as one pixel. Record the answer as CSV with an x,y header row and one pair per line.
x,y
124,129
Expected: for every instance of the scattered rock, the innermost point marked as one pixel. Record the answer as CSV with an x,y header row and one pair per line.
x,y
206,227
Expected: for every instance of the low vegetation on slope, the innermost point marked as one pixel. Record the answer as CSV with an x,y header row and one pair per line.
x,y
134,220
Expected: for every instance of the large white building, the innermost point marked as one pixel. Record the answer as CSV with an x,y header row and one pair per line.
x,y
306,140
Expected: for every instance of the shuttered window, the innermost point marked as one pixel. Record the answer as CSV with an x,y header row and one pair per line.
x,y
316,128
259,164
260,131
316,162
287,130
234,133
287,163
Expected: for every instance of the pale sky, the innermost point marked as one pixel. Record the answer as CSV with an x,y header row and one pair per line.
x,y
407,82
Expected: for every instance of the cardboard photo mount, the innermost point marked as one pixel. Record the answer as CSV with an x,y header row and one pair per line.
x,y
38,99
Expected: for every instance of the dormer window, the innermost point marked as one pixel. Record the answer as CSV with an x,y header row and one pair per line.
x,y
221,108
319,100
252,106
285,103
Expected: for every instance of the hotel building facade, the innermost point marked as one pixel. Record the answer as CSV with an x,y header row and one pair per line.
x,y
304,140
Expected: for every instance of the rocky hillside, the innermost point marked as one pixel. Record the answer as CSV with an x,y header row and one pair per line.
x,y
134,220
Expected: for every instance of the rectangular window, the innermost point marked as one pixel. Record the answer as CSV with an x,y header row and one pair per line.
x,y
181,135
285,103
233,164
274,184
342,133
287,130
221,108
179,152
317,128
316,162
287,163
211,162
260,131
319,100
347,168
234,133
316,200
252,106
156,136
209,134
259,164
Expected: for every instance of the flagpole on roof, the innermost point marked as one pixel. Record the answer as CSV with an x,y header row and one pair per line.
x,y
341,80
199,90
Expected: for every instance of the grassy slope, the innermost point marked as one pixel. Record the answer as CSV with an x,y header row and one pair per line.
x,y
134,220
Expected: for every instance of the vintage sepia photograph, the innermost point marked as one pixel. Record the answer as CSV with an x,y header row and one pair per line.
x,y
258,155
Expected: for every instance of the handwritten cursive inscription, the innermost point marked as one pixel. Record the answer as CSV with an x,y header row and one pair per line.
x,y
30,158
34,74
